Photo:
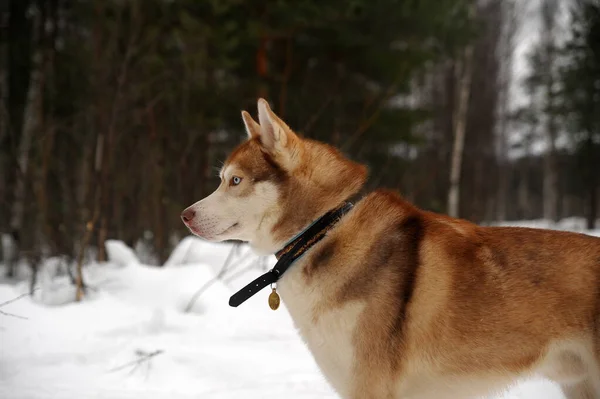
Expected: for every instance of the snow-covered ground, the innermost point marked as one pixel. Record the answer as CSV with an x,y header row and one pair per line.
x,y
132,338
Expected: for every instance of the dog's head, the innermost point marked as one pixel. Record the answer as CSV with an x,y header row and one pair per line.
x,y
273,185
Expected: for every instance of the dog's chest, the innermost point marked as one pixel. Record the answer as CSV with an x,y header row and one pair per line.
x,y
327,329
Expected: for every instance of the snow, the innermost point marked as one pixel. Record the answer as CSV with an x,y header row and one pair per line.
x,y
132,310
54,287
576,224
119,253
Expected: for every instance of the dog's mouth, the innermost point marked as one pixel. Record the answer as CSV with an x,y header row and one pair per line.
x,y
213,236
229,229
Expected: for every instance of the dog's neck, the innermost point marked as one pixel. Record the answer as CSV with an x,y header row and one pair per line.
x,y
265,244
326,181
320,227
291,252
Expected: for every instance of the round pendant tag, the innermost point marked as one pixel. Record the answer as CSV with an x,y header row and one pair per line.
x,y
274,300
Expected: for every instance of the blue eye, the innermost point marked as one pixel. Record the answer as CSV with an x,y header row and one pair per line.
x,y
235,180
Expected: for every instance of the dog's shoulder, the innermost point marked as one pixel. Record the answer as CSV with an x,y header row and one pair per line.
x,y
385,206
389,210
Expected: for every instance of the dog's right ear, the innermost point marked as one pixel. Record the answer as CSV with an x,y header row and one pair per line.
x,y
275,135
276,138
252,127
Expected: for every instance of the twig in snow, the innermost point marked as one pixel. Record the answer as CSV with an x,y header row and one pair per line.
x,y
12,315
206,285
14,300
142,358
257,264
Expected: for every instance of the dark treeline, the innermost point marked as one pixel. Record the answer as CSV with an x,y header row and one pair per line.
x,y
116,114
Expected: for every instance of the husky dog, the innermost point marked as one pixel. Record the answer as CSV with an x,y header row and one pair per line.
x,y
397,302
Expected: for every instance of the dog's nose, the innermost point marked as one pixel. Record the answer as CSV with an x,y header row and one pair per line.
x,y
188,215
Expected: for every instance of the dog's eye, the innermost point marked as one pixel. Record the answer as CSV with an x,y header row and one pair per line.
x,y
235,180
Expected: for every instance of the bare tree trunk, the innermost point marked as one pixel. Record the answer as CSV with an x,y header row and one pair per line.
x,y
4,160
523,194
593,179
502,192
90,225
464,74
512,23
19,45
112,131
42,186
550,183
31,122
593,208
551,198
102,235
49,131
262,66
66,190
160,195
4,150
502,156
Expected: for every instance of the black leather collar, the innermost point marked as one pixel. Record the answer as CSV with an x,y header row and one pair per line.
x,y
291,252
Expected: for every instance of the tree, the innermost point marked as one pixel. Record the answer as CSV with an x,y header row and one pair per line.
x,y
581,85
545,66
139,100
463,78
512,18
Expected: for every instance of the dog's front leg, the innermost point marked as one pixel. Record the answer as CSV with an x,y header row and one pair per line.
x,y
373,395
370,389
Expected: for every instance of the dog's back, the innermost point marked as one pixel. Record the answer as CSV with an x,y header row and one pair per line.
x,y
448,308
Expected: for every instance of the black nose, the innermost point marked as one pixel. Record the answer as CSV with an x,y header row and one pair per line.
x,y
188,215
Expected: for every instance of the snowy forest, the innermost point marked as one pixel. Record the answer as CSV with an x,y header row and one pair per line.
x,y
115,115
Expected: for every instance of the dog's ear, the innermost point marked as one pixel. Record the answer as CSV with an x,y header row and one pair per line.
x,y
252,127
275,135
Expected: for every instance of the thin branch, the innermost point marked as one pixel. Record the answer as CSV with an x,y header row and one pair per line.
x,y
13,315
14,300
207,285
89,228
315,117
143,357
17,298
368,122
251,266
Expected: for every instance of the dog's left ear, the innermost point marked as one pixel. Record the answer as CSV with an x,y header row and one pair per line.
x,y
252,127
275,136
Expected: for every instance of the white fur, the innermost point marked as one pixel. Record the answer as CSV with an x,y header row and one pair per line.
x,y
225,216
567,362
329,337
452,387
571,364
